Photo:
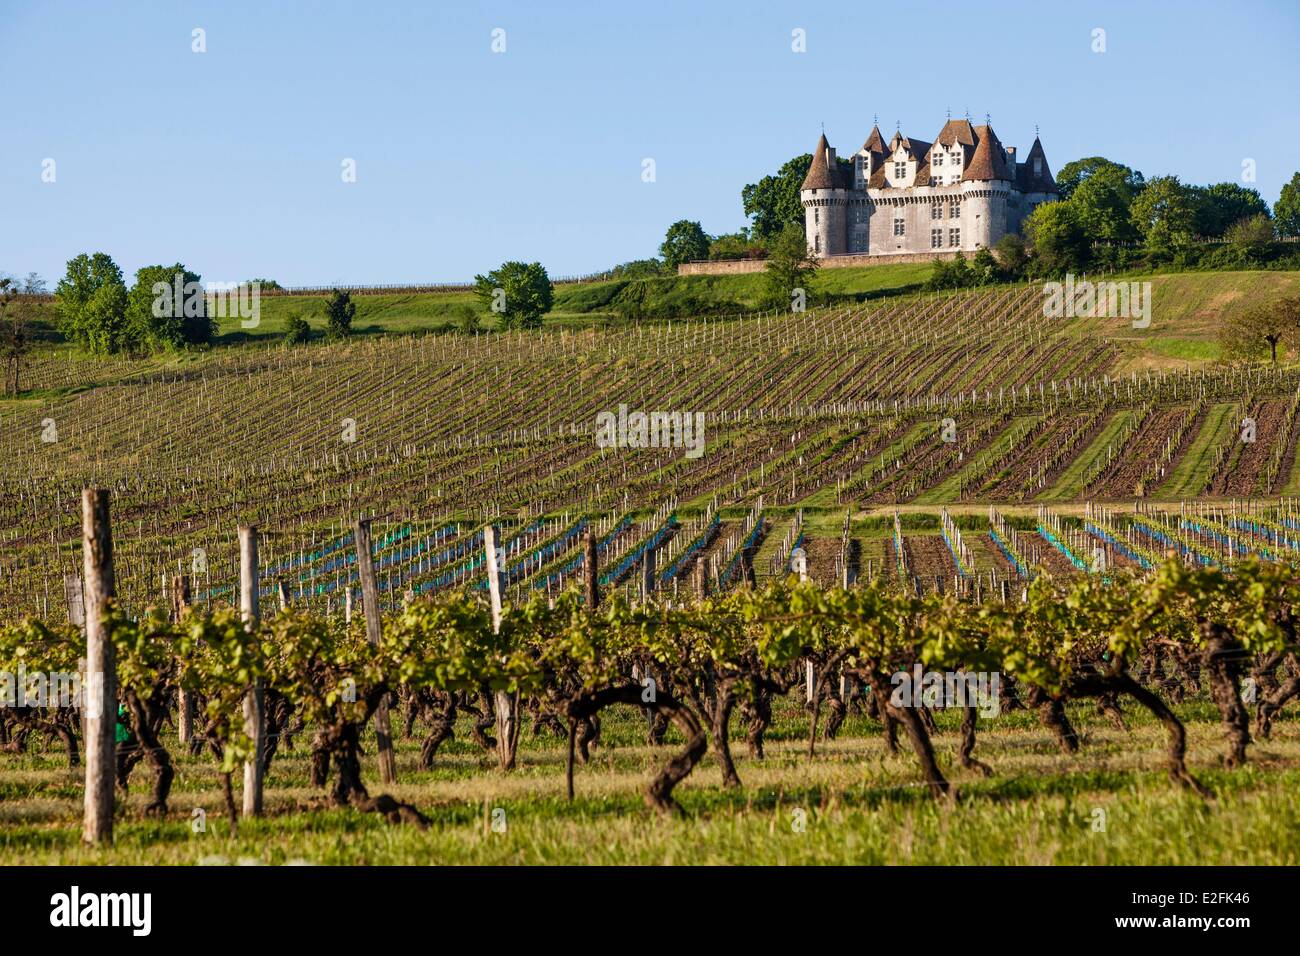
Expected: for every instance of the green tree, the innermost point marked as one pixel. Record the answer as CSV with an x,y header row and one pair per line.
x,y
790,267
466,318
1253,332
157,319
339,311
1251,236
1222,205
1164,214
737,245
15,336
520,293
637,269
92,303
685,242
1011,255
984,268
1102,200
1286,211
296,331
1073,174
1058,241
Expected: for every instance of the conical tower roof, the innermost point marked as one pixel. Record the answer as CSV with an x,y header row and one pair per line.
x,y
989,161
822,173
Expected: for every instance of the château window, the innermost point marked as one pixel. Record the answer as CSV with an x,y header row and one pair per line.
x,y
900,170
954,237
1038,166
936,211
936,238
899,223
817,243
954,210
817,216
938,160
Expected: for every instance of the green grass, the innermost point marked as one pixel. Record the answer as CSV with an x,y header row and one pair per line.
x,y
1070,484
860,805
976,464
1191,474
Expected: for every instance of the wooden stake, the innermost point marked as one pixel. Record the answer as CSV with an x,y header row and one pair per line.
x,y
505,703
374,634
184,705
255,699
589,570
100,688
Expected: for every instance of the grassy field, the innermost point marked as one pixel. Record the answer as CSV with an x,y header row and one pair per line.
x,y
1188,477
857,804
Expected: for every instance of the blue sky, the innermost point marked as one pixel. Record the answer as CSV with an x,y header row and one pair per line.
x,y
230,160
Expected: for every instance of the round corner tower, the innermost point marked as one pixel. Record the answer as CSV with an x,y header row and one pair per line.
x,y
825,197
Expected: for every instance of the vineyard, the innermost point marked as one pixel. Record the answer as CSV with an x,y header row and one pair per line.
x,y
929,551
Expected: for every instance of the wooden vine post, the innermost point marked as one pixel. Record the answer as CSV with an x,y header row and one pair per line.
x,y
505,704
255,699
589,572
375,634
184,703
100,687
648,574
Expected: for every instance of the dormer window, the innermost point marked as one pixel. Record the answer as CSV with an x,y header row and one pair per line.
x,y
938,160
1038,166
900,170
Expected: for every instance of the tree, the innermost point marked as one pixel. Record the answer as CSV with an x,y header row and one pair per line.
x,y
1164,214
685,241
1072,175
15,338
1058,241
1251,236
520,293
773,202
1102,199
296,331
92,303
1286,211
1222,205
466,318
1250,333
339,310
984,268
157,318
790,268
737,245
1011,255
637,269
34,284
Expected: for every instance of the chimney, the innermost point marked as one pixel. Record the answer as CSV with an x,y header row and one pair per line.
x,y
830,157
